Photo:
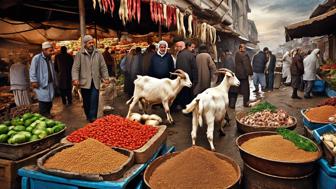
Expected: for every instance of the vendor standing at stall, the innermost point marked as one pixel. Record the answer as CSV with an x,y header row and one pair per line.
x,y
43,78
161,63
88,68
19,81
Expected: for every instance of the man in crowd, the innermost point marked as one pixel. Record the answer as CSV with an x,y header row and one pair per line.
x,y
270,71
228,63
243,71
206,70
133,68
191,47
179,46
296,72
19,81
162,62
89,67
63,66
43,78
259,64
109,60
311,65
147,57
186,61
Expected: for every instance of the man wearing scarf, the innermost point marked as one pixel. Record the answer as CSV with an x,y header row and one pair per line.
x,y
88,69
162,62
42,78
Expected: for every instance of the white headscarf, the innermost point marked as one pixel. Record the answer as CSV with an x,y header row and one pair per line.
x,y
162,43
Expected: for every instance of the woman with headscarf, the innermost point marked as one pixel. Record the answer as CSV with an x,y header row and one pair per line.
x,y
310,65
162,62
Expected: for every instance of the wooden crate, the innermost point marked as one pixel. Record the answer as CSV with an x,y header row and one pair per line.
x,y
9,179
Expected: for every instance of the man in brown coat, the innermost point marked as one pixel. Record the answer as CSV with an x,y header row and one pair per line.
x,y
206,70
243,71
297,71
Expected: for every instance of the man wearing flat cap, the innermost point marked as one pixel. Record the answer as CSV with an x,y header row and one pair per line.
x,y
88,70
42,77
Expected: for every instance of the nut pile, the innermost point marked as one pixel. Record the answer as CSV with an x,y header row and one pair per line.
x,y
267,118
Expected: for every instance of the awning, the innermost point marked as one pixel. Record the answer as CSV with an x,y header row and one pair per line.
x,y
323,24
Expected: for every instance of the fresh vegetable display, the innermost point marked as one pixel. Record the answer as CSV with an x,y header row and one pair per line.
x,y
28,127
298,140
263,106
115,131
267,118
328,138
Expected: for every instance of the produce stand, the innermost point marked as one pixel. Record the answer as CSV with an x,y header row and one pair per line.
x,y
34,179
308,123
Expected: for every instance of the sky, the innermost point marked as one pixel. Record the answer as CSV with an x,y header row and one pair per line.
x,y
271,16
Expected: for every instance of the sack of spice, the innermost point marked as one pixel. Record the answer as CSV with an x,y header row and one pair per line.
x,y
87,157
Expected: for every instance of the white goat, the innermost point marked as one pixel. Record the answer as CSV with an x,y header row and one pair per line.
x,y
211,105
149,90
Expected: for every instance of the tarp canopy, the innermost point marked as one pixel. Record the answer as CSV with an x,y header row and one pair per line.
x,y
323,24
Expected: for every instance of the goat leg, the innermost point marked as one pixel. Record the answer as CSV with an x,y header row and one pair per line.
x,y
166,108
194,128
210,131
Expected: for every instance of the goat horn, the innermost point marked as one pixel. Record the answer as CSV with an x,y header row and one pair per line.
x,y
180,73
224,70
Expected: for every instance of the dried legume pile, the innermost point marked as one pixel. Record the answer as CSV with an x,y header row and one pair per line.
x,y
194,168
89,156
115,131
274,147
321,114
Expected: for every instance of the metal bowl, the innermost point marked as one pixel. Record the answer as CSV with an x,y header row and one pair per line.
x,y
156,163
248,128
277,168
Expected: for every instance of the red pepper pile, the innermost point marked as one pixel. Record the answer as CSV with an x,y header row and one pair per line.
x,y
115,131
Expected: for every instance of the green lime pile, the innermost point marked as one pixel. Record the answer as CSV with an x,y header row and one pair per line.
x,y
27,128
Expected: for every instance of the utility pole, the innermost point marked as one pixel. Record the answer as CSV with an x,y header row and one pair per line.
x,y
81,5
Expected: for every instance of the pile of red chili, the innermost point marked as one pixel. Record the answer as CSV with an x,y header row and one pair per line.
x,y
115,131
328,101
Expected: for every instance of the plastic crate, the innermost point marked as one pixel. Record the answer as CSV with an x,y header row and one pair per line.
x,y
33,179
319,86
330,92
309,124
327,175
317,133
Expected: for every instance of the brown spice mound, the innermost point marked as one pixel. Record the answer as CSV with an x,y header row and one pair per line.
x,y
89,156
194,168
276,148
321,114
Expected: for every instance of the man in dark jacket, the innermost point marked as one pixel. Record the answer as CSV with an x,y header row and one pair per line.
x,y
243,71
161,63
270,71
228,63
63,66
186,61
147,57
133,64
109,60
259,64
297,71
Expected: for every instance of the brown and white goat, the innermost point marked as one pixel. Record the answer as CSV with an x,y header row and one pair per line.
x,y
211,105
150,90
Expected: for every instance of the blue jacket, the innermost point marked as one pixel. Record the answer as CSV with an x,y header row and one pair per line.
x,y
39,73
259,62
161,66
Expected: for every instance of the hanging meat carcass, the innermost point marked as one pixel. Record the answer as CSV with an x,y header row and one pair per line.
x,y
203,32
94,3
178,23
190,30
139,10
183,30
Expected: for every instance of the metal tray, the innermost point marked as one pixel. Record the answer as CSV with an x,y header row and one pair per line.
x,y
92,177
247,128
